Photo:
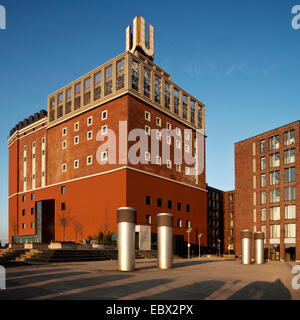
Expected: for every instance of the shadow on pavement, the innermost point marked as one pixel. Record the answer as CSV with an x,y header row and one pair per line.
x,y
25,273
261,290
195,291
191,263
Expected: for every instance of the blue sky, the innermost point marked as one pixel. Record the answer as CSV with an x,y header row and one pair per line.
x,y
241,58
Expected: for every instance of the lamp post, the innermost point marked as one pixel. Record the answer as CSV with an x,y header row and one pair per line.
x,y
219,242
199,237
189,245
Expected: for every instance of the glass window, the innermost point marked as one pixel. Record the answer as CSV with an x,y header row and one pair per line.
x,y
275,213
263,214
60,98
289,137
188,224
120,74
262,146
108,80
63,189
290,230
157,88
274,142
263,163
178,206
148,219
274,195
290,193
176,101
179,223
147,82
184,106
87,83
97,90
200,116
135,74
77,88
148,200
263,198
289,156
167,95
290,212
263,180
169,204
274,177
274,160
275,231
159,202
289,174
69,93
192,111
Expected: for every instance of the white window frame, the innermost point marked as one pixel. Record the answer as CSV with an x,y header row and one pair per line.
x,y
169,126
158,160
64,131
89,121
64,167
178,167
149,130
147,116
103,113
76,162
104,128
158,121
106,155
169,164
87,160
76,126
64,144
75,139
147,156
87,135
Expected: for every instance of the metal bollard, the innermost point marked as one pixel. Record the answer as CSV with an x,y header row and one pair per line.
x,y
165,240
259,247
126,219
246,238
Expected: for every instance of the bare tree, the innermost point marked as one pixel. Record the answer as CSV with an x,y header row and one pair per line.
x,y
77,228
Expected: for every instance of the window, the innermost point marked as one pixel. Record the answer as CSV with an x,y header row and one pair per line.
x,y
289,156
169,126
178,167
188,208
179,223
289,174
263,163
135,74
159,202
23,198
108,80
262,146
63,206
184,106
192,111
76,164
200,116
32,225
23,212
63,189
64,168
64,131
32,196
274,195
89,121
176,101
179,206
167,95
24,226
274,142
104,130
32,211
77,88
158,121
178,144
158,160
104,115
188,224
76,126
148,200
89,160
158,134
290,193
263,180
147,156
187,148
120,74
275,231
104,156
290,230
89,135
170,205
157,89
263,214
274,160
69,93
169,140
148,219
169,164
147,116
76,139
274,177
274,213
147,82
87,93
289,137
64,144
263,198
290,212
97,81
187,171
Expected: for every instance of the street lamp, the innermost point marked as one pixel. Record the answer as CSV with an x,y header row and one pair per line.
x,y
189,245
219,242
199,236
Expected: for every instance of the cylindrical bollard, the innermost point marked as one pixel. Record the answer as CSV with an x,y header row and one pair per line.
x,y
165,240
246,238
259,247
126,219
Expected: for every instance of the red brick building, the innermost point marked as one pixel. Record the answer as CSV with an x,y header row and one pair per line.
x,y
267,194
229,217
62,188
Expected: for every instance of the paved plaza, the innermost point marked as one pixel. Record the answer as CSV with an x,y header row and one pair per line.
x,y
194,279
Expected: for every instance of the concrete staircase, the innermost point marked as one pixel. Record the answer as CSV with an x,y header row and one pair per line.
x,y
11,254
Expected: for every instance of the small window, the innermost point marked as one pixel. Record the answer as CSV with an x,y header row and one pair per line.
x,y
24,226
89,160
170,204
104,130
69,93
158,135
104,156
188,208
89,121
63,206
179,223
158,121
187,171
25,148
159,202
158,160
169,140
169,164
147,156
169,126
178,167
148,219
33,145
32,211
104,115
23,212
63,189
90,135
178,144
148,200
188,224
186,148
76,140
147,116
179,206
43,140
76,164
77,88
178,131
23,198
64,144
76,126
147,130
32,196
64,131
32,225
